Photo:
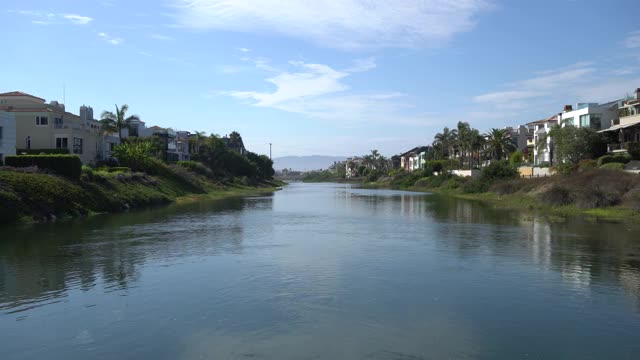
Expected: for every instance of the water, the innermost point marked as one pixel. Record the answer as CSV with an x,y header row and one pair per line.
x,y
321,271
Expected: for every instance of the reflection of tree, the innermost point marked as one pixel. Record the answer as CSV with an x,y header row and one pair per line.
x,y
45,262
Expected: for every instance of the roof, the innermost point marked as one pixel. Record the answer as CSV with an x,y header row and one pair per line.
x,y
20,93
552,118
42,109
620,126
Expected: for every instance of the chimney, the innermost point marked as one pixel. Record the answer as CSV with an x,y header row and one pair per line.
x,y
567,108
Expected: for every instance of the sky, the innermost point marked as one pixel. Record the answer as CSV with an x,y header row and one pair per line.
x,y
323,77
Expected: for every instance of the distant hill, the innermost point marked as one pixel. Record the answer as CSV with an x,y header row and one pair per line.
x,y
305,163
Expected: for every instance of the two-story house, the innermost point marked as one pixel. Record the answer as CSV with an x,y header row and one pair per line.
x,y
590,115
626,128
542,143
41,125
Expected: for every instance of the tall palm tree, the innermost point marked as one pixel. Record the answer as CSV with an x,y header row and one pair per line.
x,y
463,140
499,143
446,139
477,143
112,122
196,141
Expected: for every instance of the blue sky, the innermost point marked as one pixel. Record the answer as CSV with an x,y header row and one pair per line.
x,y
323,77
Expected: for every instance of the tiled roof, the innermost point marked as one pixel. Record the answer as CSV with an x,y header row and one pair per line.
x,y
43,109
20,93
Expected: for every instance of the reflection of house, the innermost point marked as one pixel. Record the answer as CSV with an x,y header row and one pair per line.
x,y
49,126
543,153
626,129
590,115
7,134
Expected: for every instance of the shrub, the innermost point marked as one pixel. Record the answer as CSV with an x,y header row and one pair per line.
x,y
118,169
618,158
506,187
587,164
516,158
499,170
613,166
634,150
42,151
65,165
557,195
591,198
107,163
632,198
544,164
197,168
476,186
565,168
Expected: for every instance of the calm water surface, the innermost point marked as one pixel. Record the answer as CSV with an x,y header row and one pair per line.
x,y
321,271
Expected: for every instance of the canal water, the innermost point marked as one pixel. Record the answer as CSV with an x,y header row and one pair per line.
x,y
321,271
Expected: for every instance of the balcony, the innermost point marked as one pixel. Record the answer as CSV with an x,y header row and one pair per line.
x,y
619,147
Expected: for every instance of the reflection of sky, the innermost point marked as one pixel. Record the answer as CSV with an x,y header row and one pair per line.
x,y
320,271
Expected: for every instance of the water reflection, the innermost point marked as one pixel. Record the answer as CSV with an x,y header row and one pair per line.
x,y
321,271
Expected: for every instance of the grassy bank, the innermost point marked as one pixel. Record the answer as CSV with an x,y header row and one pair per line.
x,y
30,195
598,194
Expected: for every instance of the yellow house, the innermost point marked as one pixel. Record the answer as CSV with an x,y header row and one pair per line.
x,y
48,126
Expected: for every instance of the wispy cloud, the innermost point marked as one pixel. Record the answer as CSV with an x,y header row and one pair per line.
x,y
243,49
144,53
319,91
346,24
47,18
162,37
632,41
110,39
362,65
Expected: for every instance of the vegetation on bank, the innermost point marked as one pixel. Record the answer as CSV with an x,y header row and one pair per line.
x,y
58,186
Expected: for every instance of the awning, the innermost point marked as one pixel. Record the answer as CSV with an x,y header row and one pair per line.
x,y
620,126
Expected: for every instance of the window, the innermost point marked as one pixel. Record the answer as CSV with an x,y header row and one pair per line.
x,y
62,143
568,121
112,146
58,122
27,142
584,120
77,145
42,121
596,121
133,130
0,132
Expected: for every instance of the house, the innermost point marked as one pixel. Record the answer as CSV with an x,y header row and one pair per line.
x,y
182,145
44,126
590,115
541,128
7,134
351,166
137,128
235,144
520,136
625,129
414,159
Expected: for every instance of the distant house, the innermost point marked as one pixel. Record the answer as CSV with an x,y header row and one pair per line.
x,y
541,128
351,166
235,144
44,126
7,134
626,129
521,136
414,159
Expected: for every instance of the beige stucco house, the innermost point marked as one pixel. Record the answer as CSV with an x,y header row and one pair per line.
x,y
41,125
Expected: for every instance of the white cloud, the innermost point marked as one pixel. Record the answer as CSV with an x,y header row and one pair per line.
x,y
111,40
362,65
144,53
633,40
77,19
505,96
243,49
346,24
45,18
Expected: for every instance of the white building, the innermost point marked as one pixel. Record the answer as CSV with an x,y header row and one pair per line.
x,y
541,128
590,115
626,129
7,134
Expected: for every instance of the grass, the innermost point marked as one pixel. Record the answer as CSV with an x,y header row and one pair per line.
x,y
44,197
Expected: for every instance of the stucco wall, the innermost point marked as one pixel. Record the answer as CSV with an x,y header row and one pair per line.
x,y
8,140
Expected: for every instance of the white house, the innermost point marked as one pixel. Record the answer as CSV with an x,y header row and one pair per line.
x,y
7,134
626,129
590,115
544,153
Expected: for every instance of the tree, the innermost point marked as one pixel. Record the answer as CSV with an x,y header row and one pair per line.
x,y
572,144
463,141
235,139
446,140
477,144
499,143
112,122
196,141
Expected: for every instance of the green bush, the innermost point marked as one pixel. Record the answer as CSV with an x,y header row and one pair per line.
x,y
634,150
42,151
544,164
613,166
64,165
516,158
618,158
498,170
476,186
587,164
197,168
557,195
565,168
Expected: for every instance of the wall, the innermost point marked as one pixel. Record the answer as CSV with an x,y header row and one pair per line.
x,y
8,140
467,173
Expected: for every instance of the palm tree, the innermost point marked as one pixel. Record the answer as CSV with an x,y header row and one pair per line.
x,y
112,122
499,143
463,140
477,143
196,141
446,140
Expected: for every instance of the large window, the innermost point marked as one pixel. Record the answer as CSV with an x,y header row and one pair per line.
x,y
568,121
42,120
584,120
62,143
77,145
57,123
595,121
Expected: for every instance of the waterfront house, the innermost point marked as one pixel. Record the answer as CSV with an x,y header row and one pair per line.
x,y
625,129
414,159
351,166
182,145
7,134
541,128
44,126
235,144
590,115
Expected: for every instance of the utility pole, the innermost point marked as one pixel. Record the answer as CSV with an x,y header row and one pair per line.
x,y
269,151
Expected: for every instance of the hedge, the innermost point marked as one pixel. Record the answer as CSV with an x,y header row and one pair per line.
x,y
65,165
42,151
617,158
